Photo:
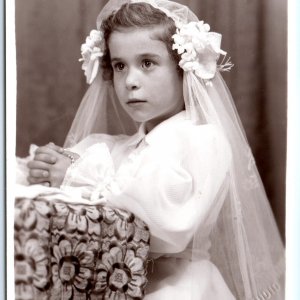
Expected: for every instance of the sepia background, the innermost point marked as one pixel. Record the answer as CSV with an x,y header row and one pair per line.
x,y
50,82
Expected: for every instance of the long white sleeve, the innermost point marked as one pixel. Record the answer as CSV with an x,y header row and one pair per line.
x,y
174,192
171,182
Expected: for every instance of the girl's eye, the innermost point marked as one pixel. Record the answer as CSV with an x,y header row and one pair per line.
x,y
118,67
147,64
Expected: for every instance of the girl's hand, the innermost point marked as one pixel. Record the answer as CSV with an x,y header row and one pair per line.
x,y
49,165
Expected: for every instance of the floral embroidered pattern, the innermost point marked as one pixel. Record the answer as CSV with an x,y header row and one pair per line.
x,y
31,267
27,214
81,218
76,251
71,267
118,223
199,49
120,272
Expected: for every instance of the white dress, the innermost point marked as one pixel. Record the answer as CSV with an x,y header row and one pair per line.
x,y
170,179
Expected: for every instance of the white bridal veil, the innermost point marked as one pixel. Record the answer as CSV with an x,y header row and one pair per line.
x,y
246,246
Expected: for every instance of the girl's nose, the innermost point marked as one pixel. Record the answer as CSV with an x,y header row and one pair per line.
x,y
132,80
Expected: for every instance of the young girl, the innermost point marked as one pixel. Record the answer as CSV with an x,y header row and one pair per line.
x,y
187,171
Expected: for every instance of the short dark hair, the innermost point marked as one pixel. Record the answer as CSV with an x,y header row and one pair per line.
x,y
138,15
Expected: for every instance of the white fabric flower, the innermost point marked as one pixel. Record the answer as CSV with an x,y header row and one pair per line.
x,y
199,48
91,51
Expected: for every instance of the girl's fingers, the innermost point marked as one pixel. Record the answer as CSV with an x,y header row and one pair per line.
x,y
37,173
36,164
35,180
50,159
55,147
47,150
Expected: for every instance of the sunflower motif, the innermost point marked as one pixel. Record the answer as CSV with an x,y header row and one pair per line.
x,y
31,268
120,275
119,223
81,218
72,268
27,211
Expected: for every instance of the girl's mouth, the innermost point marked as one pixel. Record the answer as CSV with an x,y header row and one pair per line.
x,y
135,101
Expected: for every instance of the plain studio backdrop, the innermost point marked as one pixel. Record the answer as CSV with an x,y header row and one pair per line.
x,y
50,82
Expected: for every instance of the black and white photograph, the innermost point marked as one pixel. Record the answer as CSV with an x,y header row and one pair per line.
x,y
150,149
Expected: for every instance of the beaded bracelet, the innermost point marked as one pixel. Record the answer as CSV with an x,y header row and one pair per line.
x,y
70,156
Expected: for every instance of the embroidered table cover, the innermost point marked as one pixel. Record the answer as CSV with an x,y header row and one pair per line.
x,y
78,251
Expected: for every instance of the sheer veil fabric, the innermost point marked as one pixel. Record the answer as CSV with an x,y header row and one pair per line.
x,y
245,242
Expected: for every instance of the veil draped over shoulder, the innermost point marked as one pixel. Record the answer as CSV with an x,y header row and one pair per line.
x,y
246,246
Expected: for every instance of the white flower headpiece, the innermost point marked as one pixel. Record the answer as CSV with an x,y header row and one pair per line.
x,y
199,50
91,51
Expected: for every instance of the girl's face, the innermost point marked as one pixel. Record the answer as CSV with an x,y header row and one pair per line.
x,y
145,78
